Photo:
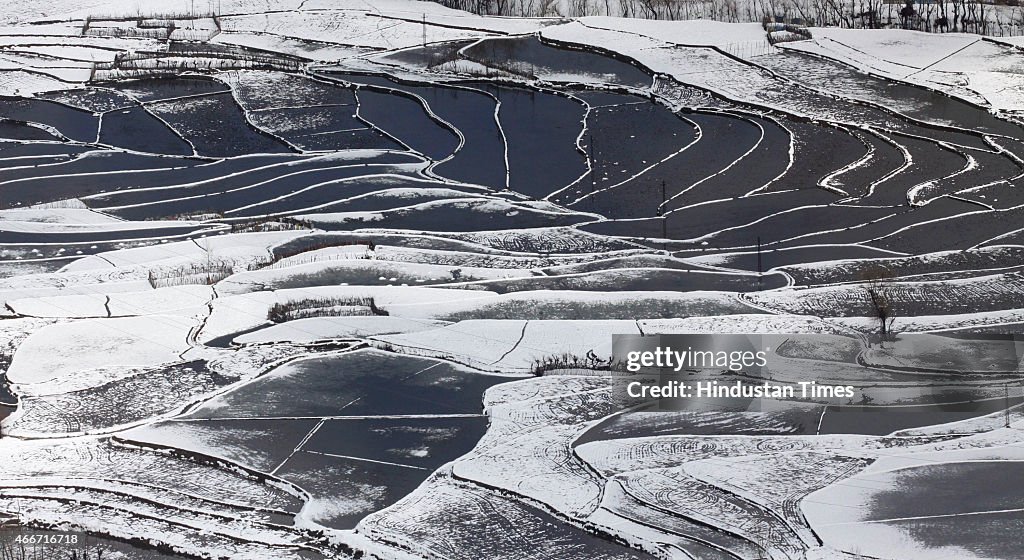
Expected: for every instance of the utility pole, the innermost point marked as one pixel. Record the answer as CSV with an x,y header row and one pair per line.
x,y
593,167
424,30
664,218
1006,401
759,269
209,264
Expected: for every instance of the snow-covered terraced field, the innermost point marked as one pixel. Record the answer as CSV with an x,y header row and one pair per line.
x,y
334,279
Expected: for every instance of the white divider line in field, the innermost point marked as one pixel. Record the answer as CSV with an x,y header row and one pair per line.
x,y
364,459
731,164
302,442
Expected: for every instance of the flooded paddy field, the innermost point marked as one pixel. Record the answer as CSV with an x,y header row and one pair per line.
x,y
289,305
347,386
794,419
921,505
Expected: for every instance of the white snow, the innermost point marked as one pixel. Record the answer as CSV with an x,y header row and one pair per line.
x,y
20,82
240,249
66,350
188,299
511,345
741,324
912,50
59,284
342,266
352,28
237,313
75,216
479,343
327,328
959,64
97,225
684,32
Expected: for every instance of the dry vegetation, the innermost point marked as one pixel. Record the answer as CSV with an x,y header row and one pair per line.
x,y
207,273
938,16
568,361
324,307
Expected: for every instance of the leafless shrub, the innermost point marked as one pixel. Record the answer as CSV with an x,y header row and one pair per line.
x,y
206,273
264,225
566,360
324,307
143,64
56,204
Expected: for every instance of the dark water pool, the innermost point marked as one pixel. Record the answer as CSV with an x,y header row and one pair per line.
x,y
915,102
528,56
137,129
365,382
75,124
481,159
11,130
729,417
154,89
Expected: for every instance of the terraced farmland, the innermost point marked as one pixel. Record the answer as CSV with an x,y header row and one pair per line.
x,y
324,280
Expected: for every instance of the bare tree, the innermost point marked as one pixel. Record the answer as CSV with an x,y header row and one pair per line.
x,y
878,286
942,22
907,15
